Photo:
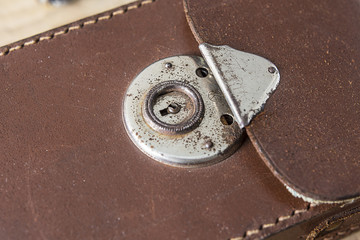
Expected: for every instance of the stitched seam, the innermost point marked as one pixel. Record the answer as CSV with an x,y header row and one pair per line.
x,y
123,10
278,220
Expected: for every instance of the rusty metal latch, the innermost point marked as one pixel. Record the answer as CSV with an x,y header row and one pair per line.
x,y
183,110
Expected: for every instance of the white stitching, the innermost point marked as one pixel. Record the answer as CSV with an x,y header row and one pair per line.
x,y
136,5
89,22
269,225
104,18
59,33
72,28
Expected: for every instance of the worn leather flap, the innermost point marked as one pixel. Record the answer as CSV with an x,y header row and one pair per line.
x,y
309,131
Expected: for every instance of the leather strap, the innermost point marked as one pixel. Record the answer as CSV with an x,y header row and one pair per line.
x,y
309,131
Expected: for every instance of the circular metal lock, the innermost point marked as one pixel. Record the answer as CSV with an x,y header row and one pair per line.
x,y
182,126
176,115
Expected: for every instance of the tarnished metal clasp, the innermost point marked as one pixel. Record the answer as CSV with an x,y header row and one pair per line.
x,y
175,113
180,113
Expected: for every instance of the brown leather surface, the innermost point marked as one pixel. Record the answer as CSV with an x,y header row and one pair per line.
x,y
309,131
68,168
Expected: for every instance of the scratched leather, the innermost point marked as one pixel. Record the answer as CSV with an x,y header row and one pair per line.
x,y
68,170
309,131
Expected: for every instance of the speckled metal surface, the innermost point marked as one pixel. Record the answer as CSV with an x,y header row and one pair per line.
x,y
309,131
180,139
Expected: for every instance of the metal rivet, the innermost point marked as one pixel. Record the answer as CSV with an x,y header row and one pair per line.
x,y
168,65
209,144
272,70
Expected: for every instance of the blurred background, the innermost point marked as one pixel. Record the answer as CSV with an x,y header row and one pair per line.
x,y
24,18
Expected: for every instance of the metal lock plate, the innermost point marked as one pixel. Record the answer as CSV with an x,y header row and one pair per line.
x,y
175,113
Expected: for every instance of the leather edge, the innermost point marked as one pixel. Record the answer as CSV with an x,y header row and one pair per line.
x,y
190,22
294,190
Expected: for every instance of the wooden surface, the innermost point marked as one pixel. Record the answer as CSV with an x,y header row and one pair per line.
x,y
24,18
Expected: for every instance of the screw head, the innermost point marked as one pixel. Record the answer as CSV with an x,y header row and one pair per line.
x,y
209,144
168,65
272,70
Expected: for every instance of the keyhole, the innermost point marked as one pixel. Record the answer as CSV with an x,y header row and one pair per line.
x,y
173,108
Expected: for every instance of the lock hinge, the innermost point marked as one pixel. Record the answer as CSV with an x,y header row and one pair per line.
x,y
245,79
